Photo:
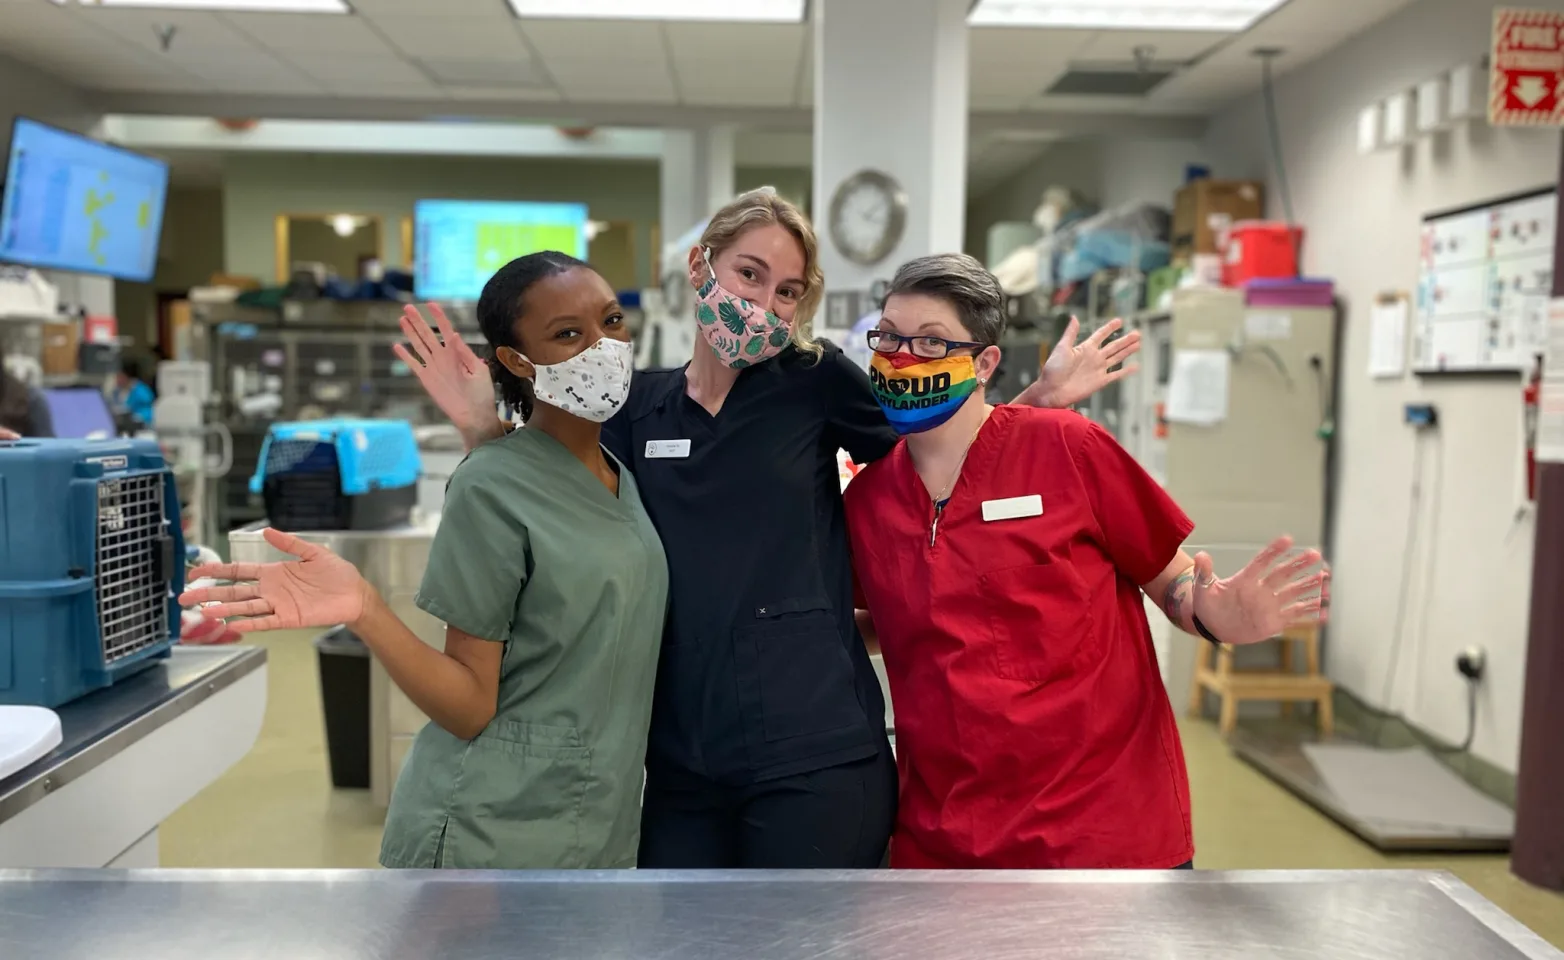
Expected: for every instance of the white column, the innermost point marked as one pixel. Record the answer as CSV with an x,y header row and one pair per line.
x,y
891,95
697,177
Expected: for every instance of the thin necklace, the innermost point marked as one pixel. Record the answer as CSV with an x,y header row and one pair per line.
x,y
939,501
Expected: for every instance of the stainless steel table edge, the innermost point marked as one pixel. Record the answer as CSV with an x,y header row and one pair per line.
x,y
55,772
1445,881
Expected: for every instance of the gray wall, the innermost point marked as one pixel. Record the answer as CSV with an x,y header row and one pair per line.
x,y
1471,574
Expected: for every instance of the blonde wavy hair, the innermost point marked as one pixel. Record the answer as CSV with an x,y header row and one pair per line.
x,y
764,207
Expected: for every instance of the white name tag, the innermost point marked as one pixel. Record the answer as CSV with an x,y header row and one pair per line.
x,y
1013,508
667,449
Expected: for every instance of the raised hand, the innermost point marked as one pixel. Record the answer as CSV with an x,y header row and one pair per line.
x,y
1266,597
319,589
1075,371
454,377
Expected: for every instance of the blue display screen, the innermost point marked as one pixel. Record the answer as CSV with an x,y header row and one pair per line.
x,y
79,413
458,244
72,203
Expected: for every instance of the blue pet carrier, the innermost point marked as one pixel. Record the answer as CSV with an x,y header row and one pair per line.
x,y
338,474
91,565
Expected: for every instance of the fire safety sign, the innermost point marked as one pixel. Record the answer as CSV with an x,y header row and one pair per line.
x,y
1527,80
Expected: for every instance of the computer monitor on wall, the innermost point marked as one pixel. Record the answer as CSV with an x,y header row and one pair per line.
x,y
459,244
74,204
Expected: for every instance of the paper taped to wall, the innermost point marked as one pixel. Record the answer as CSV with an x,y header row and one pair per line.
x,y
1550,399
1198,388
1388,337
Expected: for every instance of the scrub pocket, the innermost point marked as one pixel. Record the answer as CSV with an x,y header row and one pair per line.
x,y
519,806
1039,620
793,662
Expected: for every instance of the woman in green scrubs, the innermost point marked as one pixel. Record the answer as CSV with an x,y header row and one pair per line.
x,y
553,587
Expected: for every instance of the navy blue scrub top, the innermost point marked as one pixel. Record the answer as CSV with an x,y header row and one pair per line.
x,y
763,673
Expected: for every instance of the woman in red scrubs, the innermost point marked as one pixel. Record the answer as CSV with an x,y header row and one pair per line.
x,y
1000,553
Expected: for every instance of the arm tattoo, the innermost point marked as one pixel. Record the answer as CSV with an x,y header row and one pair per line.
x,y
1175,595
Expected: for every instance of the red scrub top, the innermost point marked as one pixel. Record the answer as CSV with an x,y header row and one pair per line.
x,y
1032,727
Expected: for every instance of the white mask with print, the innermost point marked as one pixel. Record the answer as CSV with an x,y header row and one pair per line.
x,y
592,385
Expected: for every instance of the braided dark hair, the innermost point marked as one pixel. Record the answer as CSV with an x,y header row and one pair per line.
x,y
503,303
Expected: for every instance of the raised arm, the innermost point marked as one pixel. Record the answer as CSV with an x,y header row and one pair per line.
x,y
1271,593
1075,371
456,379
458,689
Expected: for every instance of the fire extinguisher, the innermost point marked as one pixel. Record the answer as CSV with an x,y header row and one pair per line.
x,y
1530,397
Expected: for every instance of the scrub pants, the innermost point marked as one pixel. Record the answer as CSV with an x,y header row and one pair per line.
x,y
837,818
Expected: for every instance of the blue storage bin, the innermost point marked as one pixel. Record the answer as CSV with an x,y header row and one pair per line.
x,y
339,474
91,566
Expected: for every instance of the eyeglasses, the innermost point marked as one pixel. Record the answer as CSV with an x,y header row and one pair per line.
x,y
927,348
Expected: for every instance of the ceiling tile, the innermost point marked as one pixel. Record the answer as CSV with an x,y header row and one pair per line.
x,y
452,38
1168,45
1011,48
466,9
193,29
241,70
507,73
736,43
291,32
603,39
1014,85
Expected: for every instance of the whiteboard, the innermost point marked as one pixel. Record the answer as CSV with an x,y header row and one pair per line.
x,y
1485,275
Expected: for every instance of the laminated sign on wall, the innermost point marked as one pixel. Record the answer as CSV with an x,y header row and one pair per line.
x,y
1527,68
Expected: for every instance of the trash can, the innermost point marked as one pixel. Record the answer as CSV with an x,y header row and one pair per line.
x,y
344,698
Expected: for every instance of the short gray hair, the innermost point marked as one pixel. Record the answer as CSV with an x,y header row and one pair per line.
x,y
962,282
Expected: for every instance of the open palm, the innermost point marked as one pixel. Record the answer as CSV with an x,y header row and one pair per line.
x,y
455,378
1075,371
1266,597
320,589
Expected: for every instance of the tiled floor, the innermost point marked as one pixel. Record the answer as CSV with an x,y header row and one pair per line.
x,y
276,809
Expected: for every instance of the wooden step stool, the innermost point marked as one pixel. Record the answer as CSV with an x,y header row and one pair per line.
x,y
1283,684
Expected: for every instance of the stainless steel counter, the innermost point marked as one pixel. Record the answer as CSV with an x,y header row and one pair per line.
x,y
101,725
389,915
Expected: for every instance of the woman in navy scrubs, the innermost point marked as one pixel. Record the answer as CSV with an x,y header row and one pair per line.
x,y
768,746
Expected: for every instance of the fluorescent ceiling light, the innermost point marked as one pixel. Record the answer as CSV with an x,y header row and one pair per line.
x,y
746,11
229,6
1213,15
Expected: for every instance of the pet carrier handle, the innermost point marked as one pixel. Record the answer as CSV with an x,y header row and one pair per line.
x,y
38,589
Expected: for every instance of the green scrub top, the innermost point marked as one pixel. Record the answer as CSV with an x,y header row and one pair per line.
x,y
534,552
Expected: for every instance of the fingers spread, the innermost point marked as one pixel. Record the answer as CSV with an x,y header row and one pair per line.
x,y
241,591
1105,331
1292,568
418,332
244,608
1266,559
291,545
1311,586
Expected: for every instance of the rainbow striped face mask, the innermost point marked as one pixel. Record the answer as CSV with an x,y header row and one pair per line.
x,y
918,394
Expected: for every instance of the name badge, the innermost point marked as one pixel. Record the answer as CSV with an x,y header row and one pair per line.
x,y
1014,508
667,449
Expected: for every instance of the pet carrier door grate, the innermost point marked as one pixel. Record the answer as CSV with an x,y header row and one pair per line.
x,y
132,584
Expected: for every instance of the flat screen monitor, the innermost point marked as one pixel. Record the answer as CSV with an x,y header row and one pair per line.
x,y
79,413
460,243
72,203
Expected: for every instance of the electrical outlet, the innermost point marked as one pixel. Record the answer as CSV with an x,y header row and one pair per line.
x,y
1422,416
1471,663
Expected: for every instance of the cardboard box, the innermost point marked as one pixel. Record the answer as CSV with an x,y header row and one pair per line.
x,y
59,348
1204,209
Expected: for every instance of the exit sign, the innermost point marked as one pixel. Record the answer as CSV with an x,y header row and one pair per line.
x,y
1527,58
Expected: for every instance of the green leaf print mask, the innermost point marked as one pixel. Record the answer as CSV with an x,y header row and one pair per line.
x,y
741,333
